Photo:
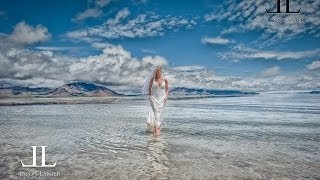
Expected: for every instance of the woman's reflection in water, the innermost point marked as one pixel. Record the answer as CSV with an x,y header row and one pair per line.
x,y
158,161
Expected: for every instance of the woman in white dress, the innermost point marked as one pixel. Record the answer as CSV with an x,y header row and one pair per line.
x,y
158,94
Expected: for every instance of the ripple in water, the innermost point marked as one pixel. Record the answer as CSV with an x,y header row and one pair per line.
x,y
261,137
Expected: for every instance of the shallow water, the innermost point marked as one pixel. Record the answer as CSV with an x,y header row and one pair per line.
x,y
270,135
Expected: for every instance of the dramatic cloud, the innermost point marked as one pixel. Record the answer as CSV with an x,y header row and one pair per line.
x,y
23,64
216,40
143,25
251,15
26,34
241,52
114,66
119,70
314,65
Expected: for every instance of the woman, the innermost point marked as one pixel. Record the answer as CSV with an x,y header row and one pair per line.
x,y
158,94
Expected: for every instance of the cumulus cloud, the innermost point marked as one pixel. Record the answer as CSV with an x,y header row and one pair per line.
x,y
114,66
155,60
314,65
26,34
250,15
215,40
118,69
141,26
241,52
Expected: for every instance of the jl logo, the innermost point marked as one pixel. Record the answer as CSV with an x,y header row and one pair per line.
x,y
34,162
287,8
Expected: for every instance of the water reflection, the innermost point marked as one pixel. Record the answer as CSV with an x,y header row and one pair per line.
x,y
157,159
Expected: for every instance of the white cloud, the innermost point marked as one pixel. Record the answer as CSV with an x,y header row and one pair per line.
x,y
143,25
250,15
216,16
241,52
57,48
92,12
188,68
215,40
102,3
314,65
154,60
32,82
26,34
99,45
116,51
148,51
271,72
123,13
114,65
120,71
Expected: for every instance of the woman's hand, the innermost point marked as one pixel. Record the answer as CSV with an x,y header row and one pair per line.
x,y
165,99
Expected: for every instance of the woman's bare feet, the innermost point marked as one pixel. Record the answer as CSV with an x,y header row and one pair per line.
x,y
157,131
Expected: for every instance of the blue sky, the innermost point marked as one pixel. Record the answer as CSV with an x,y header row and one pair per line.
x,y
235,43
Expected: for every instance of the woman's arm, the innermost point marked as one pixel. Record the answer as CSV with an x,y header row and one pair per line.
x,y
167,89
150,86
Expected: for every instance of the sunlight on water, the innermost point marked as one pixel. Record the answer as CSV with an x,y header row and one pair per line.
x,y
265,136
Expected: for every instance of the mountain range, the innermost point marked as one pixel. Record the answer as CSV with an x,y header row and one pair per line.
x,y
84,89
182,91
71,89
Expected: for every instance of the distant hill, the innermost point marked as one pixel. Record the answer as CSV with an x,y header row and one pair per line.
x,y
182,91
20,91
315,92
70,89
82,89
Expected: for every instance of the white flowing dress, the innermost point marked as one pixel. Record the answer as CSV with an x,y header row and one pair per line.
x,y
158,94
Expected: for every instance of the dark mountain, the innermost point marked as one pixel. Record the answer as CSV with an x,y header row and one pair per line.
x,y
315,92
194,91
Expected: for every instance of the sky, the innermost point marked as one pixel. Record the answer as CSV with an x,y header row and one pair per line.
x,y
204,44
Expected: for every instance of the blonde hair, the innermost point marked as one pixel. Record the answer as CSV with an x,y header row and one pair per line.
x,y
155,72
145,88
